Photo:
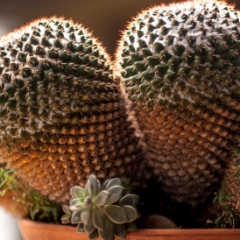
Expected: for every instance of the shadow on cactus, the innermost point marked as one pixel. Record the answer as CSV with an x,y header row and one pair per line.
x,y
105,210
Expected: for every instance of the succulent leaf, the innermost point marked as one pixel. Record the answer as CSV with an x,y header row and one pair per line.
x,y
99,186
98,216
129,199
113,182
120,231
107,233
131,226
115,194
80,227
86,216
66,209
76,217
105,183
89,188
131,212
116,214
89,228
76,204
95,185
101,198
94,235
77,192
66,218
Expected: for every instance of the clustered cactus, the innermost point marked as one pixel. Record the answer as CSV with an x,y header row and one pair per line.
x,y
105,211
62,116
179,66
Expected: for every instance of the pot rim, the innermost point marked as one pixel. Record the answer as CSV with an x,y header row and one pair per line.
x,y
139,232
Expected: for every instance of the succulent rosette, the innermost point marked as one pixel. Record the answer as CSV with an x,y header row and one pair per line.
x,y
105,210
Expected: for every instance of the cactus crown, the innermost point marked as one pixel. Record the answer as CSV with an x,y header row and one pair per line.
x,y
182,53
44,67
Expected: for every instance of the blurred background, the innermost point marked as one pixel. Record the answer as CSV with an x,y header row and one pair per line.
x,y
105,18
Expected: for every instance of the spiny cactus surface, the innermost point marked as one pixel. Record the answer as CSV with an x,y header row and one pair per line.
x,y
179,66
61,113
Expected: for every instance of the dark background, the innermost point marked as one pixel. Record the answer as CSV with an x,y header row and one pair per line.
x,y
105,18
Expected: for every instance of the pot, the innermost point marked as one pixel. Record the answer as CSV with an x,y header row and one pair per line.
x,y
42,231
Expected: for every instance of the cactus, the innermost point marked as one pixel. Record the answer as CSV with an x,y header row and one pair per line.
x,y
179,67
62,116
105,210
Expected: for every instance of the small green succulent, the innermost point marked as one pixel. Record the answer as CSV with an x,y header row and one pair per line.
x,y
105,210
